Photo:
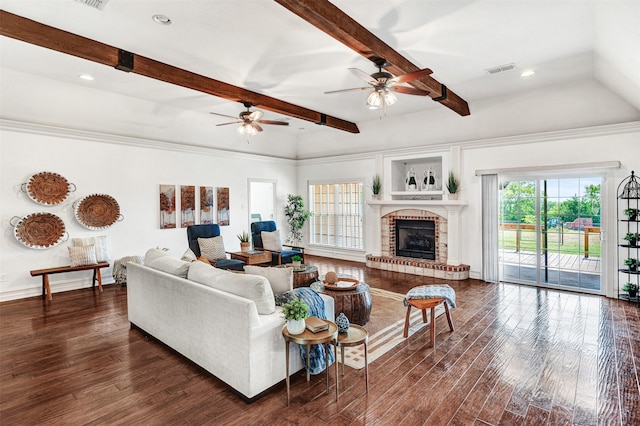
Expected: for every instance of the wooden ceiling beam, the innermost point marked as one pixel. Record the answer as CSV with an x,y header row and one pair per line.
x,y
42,35
333,21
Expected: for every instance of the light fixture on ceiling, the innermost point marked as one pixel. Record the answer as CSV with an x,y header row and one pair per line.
x,y
162,19
380,99
527,73
249,121
247,129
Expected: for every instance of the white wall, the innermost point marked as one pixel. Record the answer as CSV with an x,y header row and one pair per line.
x,y
128,170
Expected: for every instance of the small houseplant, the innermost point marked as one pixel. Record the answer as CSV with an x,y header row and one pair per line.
x,y
376,186
245,245
295,312
631,288
452,185
296,217
632,214
296,261
632,237
631,263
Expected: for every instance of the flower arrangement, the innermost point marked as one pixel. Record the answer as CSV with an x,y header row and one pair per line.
x,y
295,310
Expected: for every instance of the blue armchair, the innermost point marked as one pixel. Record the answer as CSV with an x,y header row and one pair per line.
x,y
277,257
207,231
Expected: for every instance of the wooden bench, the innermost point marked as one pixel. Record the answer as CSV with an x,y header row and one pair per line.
x,y
46,288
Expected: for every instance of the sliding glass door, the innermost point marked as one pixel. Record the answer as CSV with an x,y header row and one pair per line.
x,y
549,232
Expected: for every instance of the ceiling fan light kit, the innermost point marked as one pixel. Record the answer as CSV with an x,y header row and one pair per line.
x,y
249,121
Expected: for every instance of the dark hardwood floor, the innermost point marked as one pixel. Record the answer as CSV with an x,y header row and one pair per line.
x,y
518,355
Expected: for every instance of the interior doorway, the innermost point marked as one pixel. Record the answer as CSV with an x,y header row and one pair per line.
x,y
549,232
262,200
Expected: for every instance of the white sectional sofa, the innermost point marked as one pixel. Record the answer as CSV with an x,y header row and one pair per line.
x,y
231,336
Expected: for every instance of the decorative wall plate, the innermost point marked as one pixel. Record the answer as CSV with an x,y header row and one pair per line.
x,y
48,188
97,211
39,230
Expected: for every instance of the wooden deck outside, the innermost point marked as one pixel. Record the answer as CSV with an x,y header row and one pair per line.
x,y
563,262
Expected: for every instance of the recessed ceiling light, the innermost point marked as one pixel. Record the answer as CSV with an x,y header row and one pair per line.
x,y
162,19
87,77
527,73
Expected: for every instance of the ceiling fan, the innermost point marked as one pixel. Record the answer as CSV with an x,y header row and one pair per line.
x,y
249,121
384,84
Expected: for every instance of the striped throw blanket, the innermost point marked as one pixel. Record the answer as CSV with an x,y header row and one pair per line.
x,y
432,292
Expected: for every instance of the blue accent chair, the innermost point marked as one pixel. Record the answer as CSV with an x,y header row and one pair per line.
x,y
207,231
277,257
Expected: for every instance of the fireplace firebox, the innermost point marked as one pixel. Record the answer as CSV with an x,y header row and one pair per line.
x,y
416,238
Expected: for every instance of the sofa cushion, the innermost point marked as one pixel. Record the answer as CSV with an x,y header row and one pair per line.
x,y
100,243
160,260
280,279
252,287
82,255
271,240
212,248
189,256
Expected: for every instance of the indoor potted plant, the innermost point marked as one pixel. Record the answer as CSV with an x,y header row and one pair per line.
x,y
295,312
296,261
245,245
296,217
452,186
631,288
631,263
632,237
631,213
376,186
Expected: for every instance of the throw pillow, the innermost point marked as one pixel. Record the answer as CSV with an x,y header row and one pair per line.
x,y
82,255
271,240
247,286
280,279
189,256
100,243
212,248
160,260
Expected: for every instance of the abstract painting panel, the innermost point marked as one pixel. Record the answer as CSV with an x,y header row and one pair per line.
x,y
223,206
187,205
167,206
206,204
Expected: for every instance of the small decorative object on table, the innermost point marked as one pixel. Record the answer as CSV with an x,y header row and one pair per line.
x,y
315,324
296,261
245,245
295,312
343,323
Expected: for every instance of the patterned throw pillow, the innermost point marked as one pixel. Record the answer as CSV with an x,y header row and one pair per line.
x,y
189,256
100,243
212,248
271,240
82,255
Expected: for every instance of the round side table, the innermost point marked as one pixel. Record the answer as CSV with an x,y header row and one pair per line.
x,y
355,336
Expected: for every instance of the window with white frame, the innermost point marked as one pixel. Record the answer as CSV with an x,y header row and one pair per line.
x,y
337,214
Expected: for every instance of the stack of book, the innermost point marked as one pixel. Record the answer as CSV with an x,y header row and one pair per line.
x,y
315,324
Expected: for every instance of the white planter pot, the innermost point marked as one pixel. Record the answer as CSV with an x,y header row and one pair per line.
x,y
296,326
296,264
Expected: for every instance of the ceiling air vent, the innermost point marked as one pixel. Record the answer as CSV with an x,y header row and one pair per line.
x,y
98,4
501,68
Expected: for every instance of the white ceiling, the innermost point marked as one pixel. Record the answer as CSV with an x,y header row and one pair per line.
x,y
261,46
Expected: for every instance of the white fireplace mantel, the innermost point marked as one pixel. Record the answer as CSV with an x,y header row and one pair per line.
x,y
450,209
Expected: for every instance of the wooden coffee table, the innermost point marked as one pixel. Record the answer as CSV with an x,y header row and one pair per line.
x,y
253,257
355,303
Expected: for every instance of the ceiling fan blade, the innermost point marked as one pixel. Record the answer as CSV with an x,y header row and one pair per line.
x,y
363,75
410,76
255,115
409,90
256,126
223,115
279,123
226,124
347,90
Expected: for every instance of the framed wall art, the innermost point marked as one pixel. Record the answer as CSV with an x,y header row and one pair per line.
x,y
223,206
187,205
167,206
206,205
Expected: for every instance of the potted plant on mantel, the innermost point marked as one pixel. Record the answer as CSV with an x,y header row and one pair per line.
x,y
452,186
295,312
376,186
245,245
631,288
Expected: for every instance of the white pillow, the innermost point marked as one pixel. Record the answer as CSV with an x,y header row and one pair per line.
x,y
160,260
100,243
280,279
252,287
189,256
271,240
212,248
82,255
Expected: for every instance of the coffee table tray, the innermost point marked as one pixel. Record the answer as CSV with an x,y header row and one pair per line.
x,y
342,284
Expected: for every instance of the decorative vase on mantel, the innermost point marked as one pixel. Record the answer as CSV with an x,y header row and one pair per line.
x,y
296,326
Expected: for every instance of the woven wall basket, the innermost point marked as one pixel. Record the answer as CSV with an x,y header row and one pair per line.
x,y
47,188
97,211
39,230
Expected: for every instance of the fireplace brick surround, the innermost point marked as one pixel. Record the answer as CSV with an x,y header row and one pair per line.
x,y
388,260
